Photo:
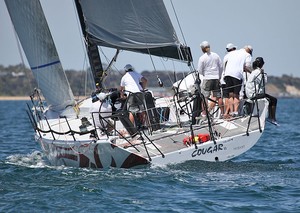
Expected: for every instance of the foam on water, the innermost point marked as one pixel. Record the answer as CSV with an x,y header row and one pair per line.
x,y
32,160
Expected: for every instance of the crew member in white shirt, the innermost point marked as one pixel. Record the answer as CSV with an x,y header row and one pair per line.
x,y
132,82
237,63
210,67
256,85
225,94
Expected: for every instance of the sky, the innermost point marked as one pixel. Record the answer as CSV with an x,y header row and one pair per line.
x,y
271,27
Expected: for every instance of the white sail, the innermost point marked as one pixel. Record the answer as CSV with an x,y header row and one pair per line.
x,y
31,26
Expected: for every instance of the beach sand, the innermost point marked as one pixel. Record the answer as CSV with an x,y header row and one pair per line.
x,y
27,98
14,98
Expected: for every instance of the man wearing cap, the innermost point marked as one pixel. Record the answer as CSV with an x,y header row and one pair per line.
x,y
210,67
225,94
132,81
237,62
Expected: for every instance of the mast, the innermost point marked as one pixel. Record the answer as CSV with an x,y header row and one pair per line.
x,y
92,50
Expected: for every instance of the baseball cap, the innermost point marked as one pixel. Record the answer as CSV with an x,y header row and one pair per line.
x,y
250,48
128,67
230,46
260,60
204,44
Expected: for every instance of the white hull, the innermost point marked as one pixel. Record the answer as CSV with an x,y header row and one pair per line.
x,y
163,148
99,154
103,154
222,150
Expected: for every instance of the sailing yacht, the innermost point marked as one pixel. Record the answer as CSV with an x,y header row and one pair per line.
x,y
95,131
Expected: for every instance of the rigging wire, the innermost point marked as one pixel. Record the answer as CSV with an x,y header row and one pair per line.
x,y
88,74
182,34
175,13
19,47
190,65
180,53
109,62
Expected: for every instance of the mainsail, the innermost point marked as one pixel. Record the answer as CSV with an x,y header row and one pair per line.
x,y
137,25
31,26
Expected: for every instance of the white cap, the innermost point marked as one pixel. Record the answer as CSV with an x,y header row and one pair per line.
x,y
249,47
204,44
128,67
230,46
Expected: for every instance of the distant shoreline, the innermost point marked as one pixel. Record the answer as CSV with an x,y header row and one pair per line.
x,y
14,98
27,98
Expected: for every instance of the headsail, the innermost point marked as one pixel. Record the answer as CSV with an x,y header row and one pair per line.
x,y
137,25
34,34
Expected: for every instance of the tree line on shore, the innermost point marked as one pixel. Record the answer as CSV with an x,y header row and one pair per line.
x,y
18,80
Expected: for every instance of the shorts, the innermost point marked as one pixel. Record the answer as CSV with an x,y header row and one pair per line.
x,y
135,102
233,85
225,92
211,85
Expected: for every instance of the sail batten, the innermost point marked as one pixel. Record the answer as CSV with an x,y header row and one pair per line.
x,y
33,32
44,65
137,25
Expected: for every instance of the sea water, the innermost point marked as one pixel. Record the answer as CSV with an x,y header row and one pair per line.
x,y
264,179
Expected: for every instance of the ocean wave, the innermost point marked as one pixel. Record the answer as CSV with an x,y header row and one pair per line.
x,y
31,160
